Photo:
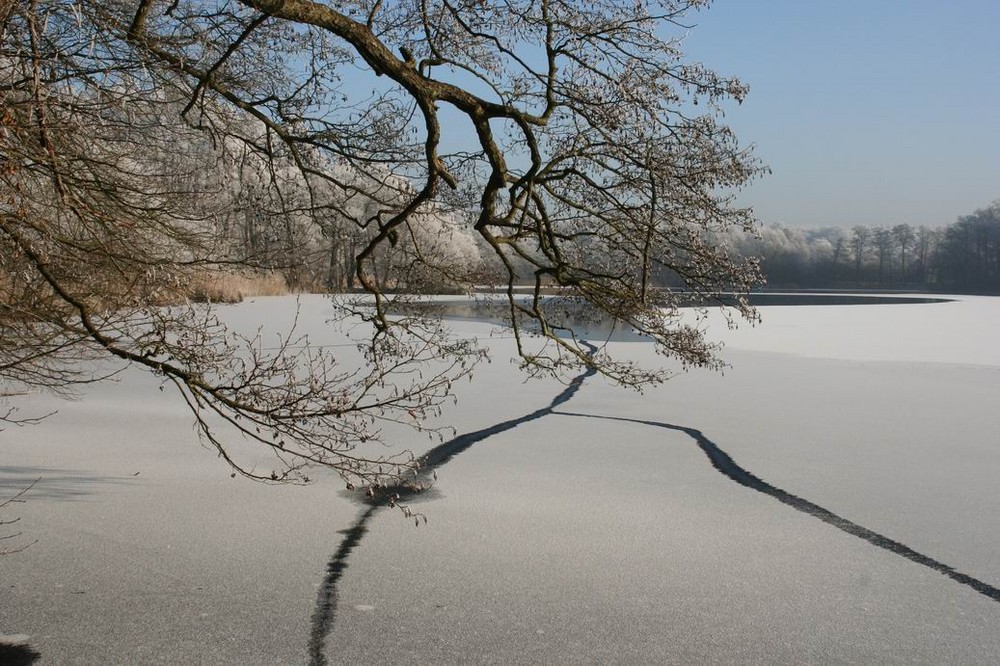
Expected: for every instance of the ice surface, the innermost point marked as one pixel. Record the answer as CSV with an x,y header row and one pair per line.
x,y
566,538
961,331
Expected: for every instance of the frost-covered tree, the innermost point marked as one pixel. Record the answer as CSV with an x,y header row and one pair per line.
x,y
884,245
927,240
969,255
860,235
903,236
571,139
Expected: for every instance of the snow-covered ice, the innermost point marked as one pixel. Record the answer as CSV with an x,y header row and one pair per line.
x,y
963,331
571,537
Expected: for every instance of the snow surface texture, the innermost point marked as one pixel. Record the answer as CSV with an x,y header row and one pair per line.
x,y
594,529
963,331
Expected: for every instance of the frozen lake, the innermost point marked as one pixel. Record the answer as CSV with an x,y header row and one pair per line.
x,y
832,497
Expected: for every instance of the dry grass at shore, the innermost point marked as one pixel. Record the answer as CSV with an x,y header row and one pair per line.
x,y
219,287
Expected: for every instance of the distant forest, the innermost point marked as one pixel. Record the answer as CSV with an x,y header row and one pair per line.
x,y
961,257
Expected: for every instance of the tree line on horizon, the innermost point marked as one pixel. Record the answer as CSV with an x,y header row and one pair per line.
x,y
960,257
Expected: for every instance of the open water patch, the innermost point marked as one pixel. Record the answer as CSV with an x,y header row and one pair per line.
x,y
588,323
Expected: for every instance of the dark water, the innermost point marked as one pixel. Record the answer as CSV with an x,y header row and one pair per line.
x,y
826,298
588,324
565,316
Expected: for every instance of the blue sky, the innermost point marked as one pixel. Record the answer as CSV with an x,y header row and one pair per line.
x,y
867,111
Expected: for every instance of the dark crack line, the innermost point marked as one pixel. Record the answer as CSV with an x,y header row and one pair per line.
x,y
325,613
727,466
442,453
326,600
17,654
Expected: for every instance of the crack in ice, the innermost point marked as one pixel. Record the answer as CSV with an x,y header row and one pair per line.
x,y
722,462
325,613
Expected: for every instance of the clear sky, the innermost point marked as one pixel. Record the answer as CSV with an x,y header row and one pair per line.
x,y
867,111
